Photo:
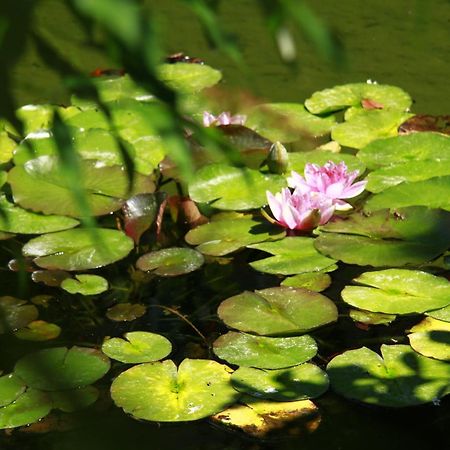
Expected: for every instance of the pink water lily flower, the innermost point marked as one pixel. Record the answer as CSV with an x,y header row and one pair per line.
x,y
224,118
332,180
300,211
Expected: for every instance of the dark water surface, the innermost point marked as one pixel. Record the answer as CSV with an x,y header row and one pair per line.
x,y
400,42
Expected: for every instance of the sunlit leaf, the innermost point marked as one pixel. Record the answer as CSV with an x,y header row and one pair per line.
x,y
431,338
371,318
314,281
85,284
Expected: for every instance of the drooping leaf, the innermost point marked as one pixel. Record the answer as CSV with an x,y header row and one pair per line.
x,y
38,330
137,347
278,310
159,392
431,337
401,377
85,284
15,313
139,213
77,249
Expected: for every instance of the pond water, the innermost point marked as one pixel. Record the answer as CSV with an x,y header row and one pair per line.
x,y
401,43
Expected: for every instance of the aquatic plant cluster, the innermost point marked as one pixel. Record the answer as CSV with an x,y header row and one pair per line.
x,y
316,234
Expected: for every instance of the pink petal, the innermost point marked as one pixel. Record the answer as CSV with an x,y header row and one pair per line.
x,y
274,205
354,190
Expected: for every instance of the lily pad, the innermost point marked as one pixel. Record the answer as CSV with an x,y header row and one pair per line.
x,y
15,313
368,126
74,399
221,237
52,278
79,249
59,368
314,281
292,255
440,314
401,377
126,312
278,310
340,97
261,419
137,347
28,408
371,318
170,262
41,186
85,284
11,387
431,338
287,122
7,145
296,383
158,392
233,188
38,330
264,352
398,291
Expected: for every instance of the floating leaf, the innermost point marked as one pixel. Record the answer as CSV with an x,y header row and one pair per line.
x,y
440,314
30,407
126,312
287,122
398,291
71,400
59,368
52,278
293,255
137,347
400,378
7,145
170,262
264,352
314,281
278,310
221,237
295,383
85,284
11,387
261,419
77,249
139,213
15,313
340,97
233,188
41,186
158,392
431,337
38,330
371,318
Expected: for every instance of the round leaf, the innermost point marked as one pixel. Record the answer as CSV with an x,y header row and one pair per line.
x,y
60,368
79,249
15,313
315,281
431,337
371,318
401,377
158,392
137,347
278,310
440,314
85,285
38,330
125,312
11,387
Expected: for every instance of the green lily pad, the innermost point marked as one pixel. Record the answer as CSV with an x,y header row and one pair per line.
x,y
123,86
298,160
59,368
295,383
11,387
398,291
287,122
278,310
262,419
85,284
406,149
158,392
20,221
292,255
79,249
38,330
340,97
440,314
433,193
371,318
431,338
264,352
41,186
36,117
232,188
314,281
7,145
137,347
187,77
401,377
368,126
15,313
71,400
28,408
170,262
126,312
221,237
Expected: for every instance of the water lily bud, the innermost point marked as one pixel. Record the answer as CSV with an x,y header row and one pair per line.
x,y
277,159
